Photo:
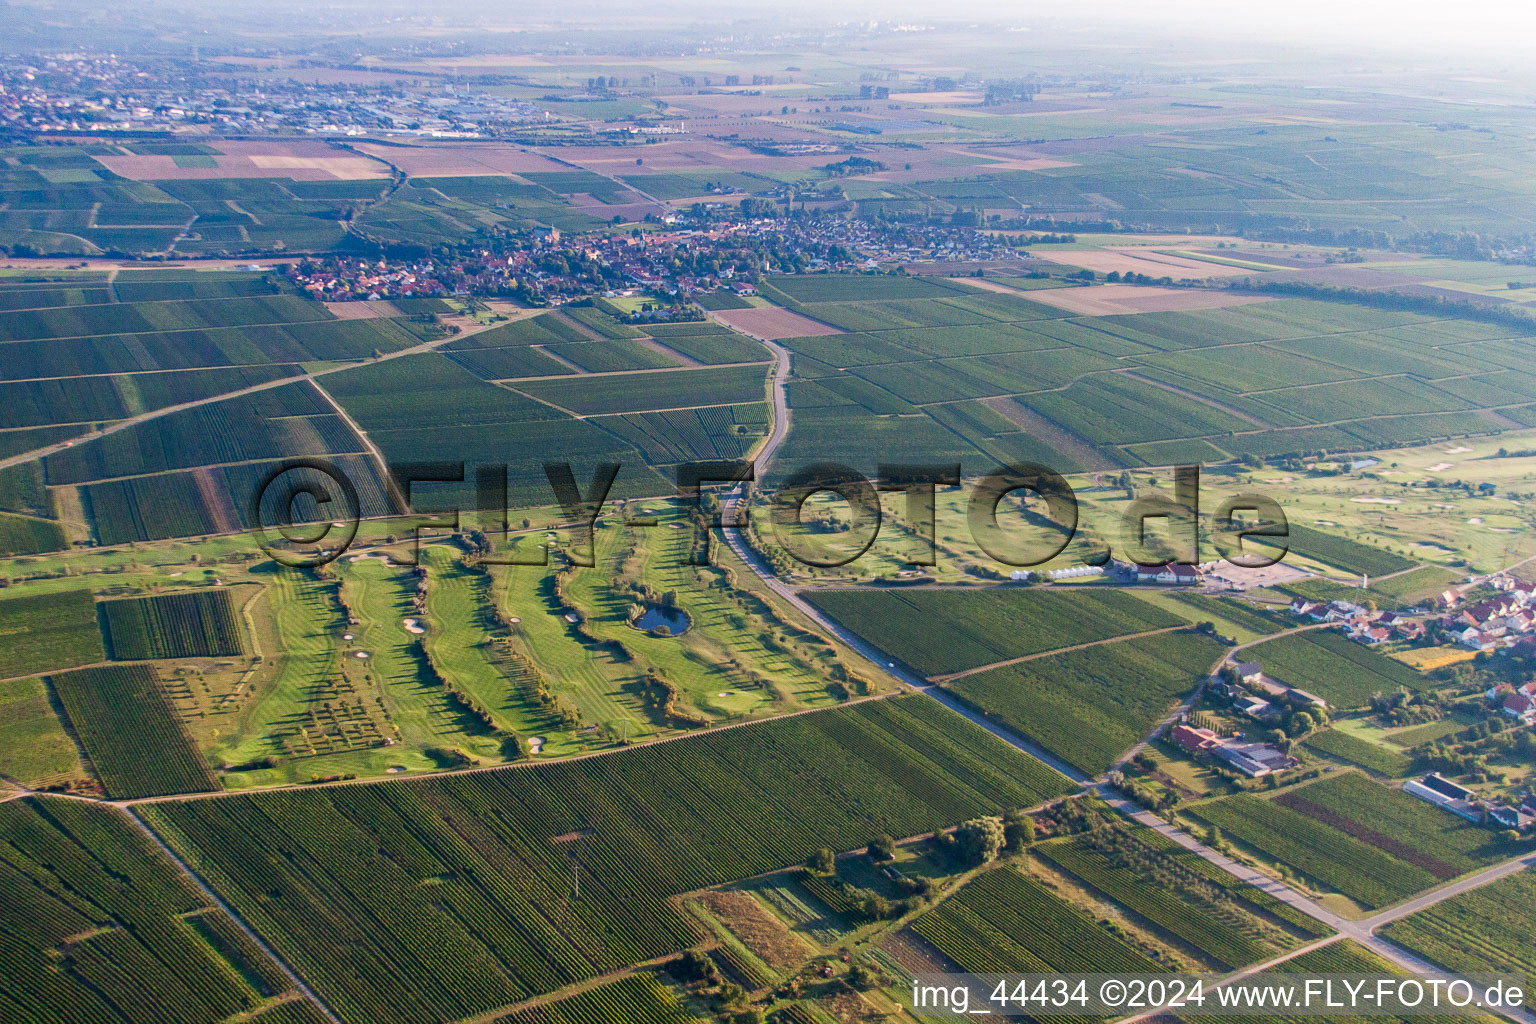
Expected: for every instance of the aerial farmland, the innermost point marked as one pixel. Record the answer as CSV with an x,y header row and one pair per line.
x,y
608,515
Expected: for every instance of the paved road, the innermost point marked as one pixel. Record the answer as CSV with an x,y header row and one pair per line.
x,y
213,899
1429,899
1362,931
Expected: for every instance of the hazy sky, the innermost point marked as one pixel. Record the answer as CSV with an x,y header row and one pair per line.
x,y
1456,29
1431,23
1505,25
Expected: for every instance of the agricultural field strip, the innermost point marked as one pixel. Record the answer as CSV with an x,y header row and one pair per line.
x,y
910,789
510,1012
133,421
1488,929
1130,361
954,676
1129,367
624,373
1135,359
259,461
218,903
1221,929
139,373
1395,956
81,337
129,807
1370,842
91,866
1361,930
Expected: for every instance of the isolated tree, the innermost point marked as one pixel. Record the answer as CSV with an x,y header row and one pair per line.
x,y
1018,831
867,975
821,861
882,848
981,840
695,966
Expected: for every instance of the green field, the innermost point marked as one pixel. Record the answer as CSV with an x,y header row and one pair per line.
x,y
1351,556
938,632
130,732
1228,923
1488,930
1374,844
1097,392
642,391
88,889
1090,706
428,408
48,631
1344,673
639,999
1354,750
718,807
1345,957
1330,858
34,748
1004,922
196,624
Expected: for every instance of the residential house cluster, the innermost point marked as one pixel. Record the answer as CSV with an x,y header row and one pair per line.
x,y
1517,702
674,263
1358,622
1506,620
104,93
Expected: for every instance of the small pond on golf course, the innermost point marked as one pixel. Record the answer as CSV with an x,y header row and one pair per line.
x,y
675,619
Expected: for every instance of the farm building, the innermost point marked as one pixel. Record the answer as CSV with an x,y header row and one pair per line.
x,y
1442,792
1511,817
1305,699
1192,739
1252,759
1174,574
1256,708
